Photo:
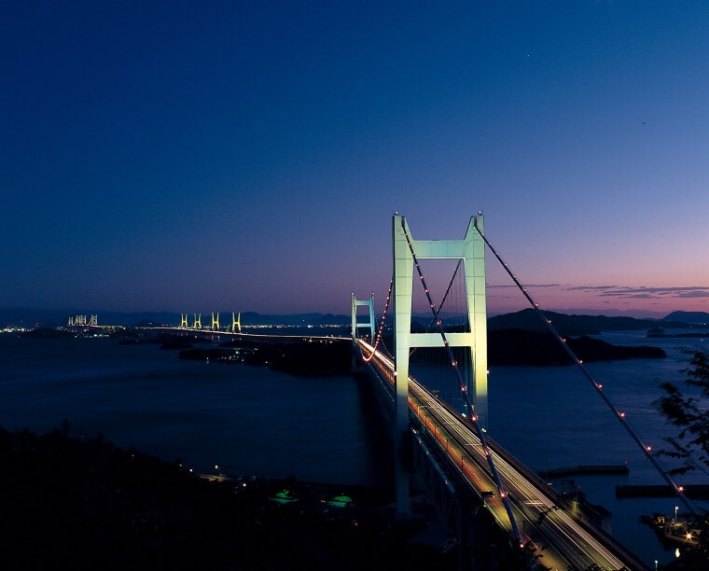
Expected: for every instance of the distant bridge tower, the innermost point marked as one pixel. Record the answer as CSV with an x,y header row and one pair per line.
x,y
197,324
235,322
93,321
471,250
183,321
215,322
369,324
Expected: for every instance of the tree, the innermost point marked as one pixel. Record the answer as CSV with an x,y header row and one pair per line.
x,y
690,413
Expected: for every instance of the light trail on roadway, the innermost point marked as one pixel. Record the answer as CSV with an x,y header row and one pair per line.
x,y
561,540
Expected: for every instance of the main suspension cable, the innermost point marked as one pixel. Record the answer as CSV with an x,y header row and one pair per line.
x,y
380,329
474,419
619,414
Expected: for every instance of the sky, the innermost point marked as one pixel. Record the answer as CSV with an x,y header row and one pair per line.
x,y
248,156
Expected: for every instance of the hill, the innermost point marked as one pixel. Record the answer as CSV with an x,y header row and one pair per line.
x,y
688,317
518,347
85,504
528,319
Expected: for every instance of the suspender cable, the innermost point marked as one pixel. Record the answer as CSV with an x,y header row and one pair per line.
x,y
504,496
619,414
443,301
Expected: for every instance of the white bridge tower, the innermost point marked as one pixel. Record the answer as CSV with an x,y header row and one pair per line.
x,y
471,250
235,322
360,324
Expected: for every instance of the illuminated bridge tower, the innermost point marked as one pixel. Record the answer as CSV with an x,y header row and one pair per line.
x,y
183,321
357,324
197,324
471,250
235,322
215,322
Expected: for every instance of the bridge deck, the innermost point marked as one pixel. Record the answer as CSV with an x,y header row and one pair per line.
x,y
562,539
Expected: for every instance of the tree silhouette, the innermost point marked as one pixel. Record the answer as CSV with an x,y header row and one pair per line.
x,y
689,412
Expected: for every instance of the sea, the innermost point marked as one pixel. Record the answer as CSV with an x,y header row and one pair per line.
x,y
251,420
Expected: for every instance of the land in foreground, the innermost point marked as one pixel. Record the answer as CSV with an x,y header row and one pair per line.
x,y
86,504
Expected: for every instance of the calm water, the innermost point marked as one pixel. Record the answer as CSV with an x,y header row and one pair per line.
x,y
250,420
551,417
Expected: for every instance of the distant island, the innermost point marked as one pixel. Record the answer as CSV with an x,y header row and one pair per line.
x,y
528,319
305,358
520,347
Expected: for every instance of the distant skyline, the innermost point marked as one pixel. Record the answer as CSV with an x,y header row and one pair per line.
x,y
185,156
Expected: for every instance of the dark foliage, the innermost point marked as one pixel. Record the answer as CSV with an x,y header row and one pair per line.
x,y
690,414
79,504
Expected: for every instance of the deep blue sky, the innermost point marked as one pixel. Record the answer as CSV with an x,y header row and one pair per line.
x,y
194,156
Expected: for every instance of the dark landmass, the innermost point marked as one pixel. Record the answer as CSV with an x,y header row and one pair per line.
x,y
47,333
517,347
297,357
323,357
85,504
661,335
528,319
688,317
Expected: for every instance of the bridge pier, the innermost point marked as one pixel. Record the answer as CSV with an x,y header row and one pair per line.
x,y
215,322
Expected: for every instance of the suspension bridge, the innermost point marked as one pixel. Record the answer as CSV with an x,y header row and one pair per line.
x,y
454,448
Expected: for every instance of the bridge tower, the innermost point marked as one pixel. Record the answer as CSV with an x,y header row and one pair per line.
x,y
197,324
235,322
215,322
369,324
183,321
471,250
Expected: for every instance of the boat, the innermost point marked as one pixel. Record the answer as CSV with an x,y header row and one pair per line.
x,y
676,530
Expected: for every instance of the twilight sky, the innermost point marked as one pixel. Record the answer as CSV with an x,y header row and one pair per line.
x,y
194,156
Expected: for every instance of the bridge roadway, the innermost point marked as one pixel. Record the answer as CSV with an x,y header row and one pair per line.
x,y
239,334
561,540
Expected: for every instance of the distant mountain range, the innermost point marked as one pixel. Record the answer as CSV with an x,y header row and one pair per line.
x,y
527,319
29,317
